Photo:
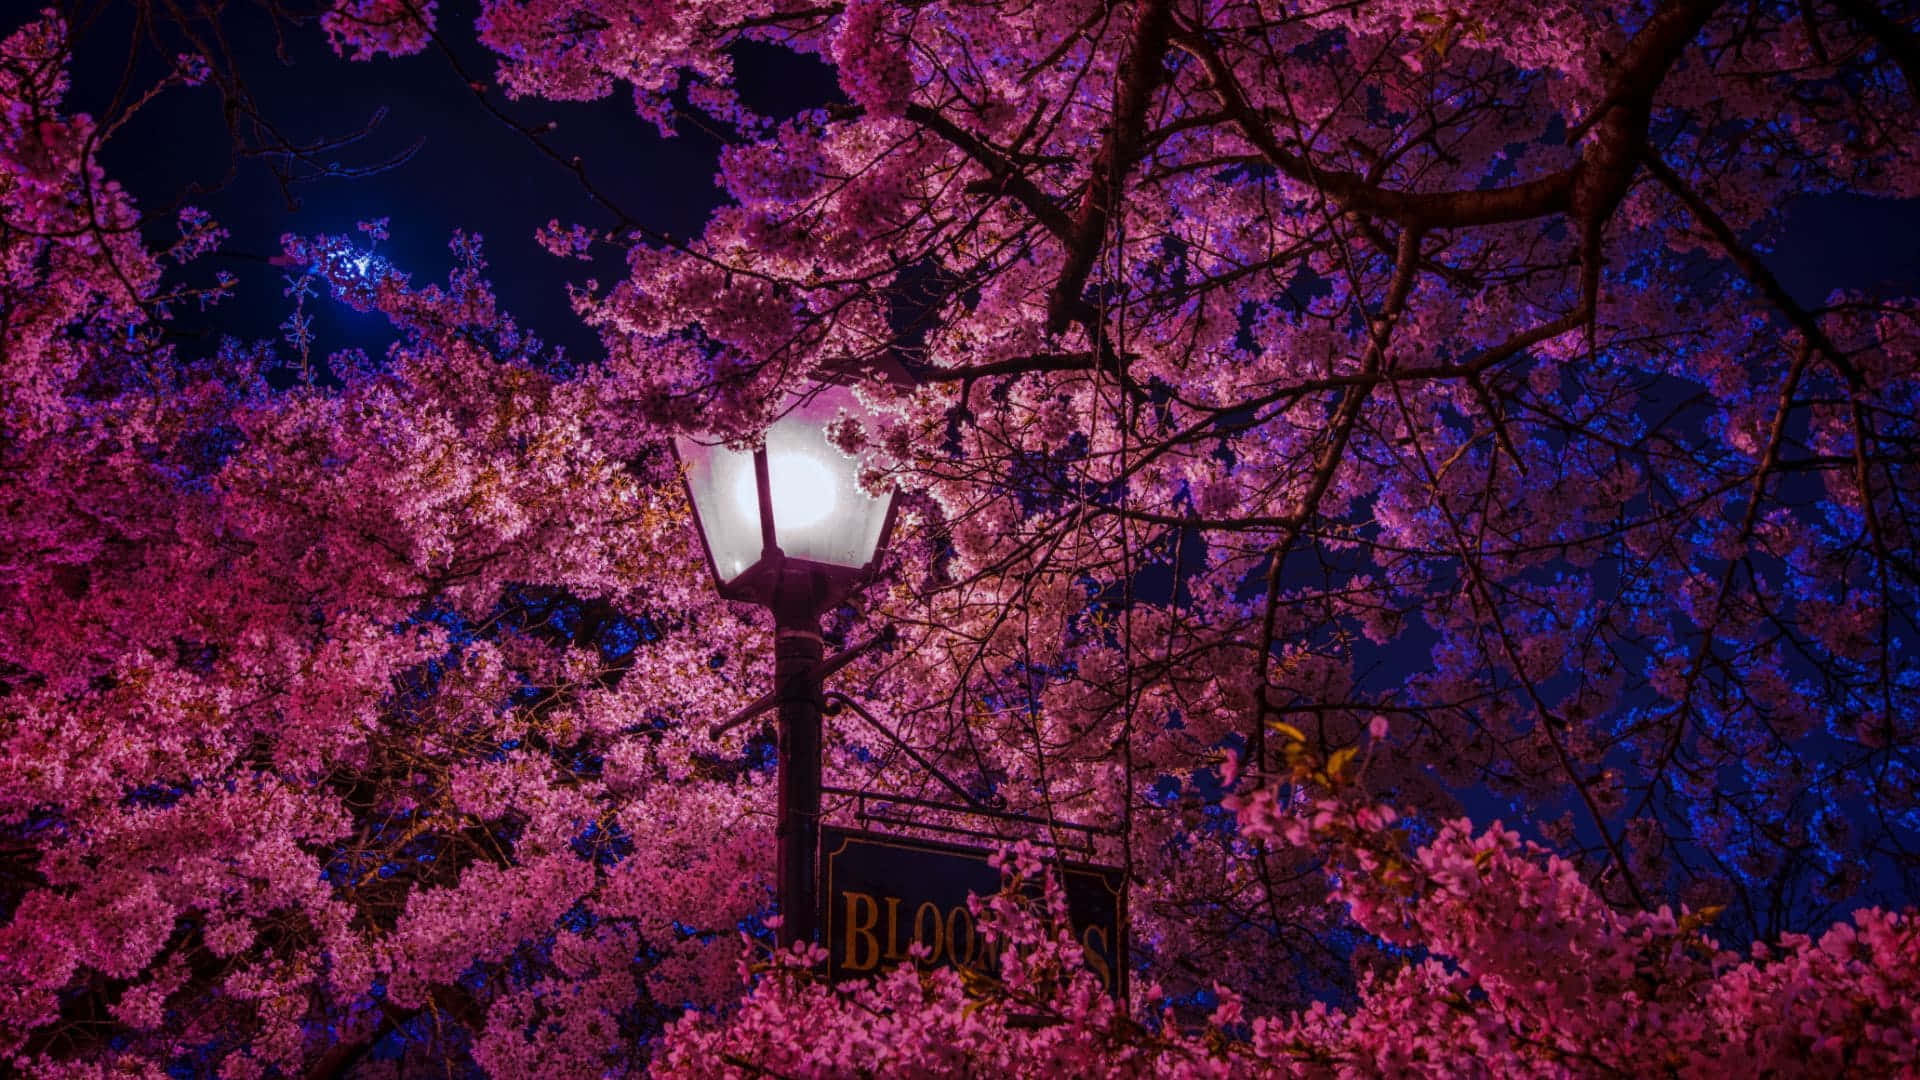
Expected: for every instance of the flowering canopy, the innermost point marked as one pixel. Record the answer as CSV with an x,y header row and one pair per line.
x,y
1331,423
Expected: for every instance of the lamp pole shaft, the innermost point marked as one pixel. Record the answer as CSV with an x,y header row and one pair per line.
x,y
797,650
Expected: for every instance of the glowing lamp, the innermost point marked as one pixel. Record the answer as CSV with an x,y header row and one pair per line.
x,y
786,525
787,522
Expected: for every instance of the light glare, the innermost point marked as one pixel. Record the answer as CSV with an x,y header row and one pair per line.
x,y
803,491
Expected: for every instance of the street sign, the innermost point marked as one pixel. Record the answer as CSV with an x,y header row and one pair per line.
x,y
884,894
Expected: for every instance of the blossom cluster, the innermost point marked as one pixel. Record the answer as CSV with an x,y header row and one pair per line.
x,y
1310,430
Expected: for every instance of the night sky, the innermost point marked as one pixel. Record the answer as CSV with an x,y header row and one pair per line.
x,y
458,167
467,170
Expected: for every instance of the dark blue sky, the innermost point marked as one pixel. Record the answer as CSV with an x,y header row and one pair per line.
x,y
467,170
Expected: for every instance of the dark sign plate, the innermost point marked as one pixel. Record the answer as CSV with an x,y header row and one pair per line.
x,y
885,893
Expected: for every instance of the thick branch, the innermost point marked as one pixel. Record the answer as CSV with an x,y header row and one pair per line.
x,y
999,167
1611,157
1589,190
1449,209
1138,76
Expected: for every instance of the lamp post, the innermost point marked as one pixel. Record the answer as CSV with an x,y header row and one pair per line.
x,y
786,526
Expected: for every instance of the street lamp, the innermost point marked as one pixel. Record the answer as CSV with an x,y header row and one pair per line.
x,y
787,526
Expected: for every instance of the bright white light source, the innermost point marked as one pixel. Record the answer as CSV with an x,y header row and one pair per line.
x,y
803,491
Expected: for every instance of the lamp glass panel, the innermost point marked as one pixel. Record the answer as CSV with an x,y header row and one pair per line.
x,y
729,524
819,511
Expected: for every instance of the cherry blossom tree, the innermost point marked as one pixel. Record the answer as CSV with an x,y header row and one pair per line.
x,y
1361,458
